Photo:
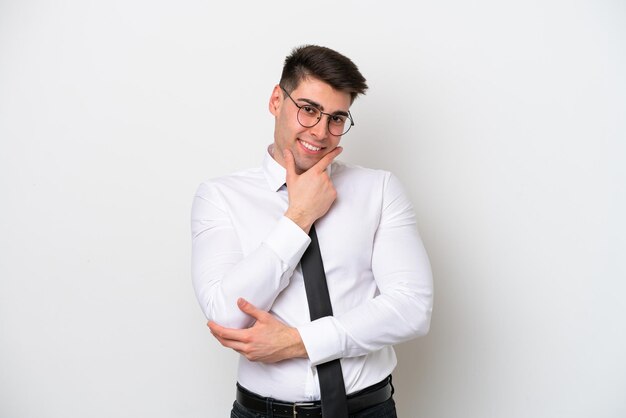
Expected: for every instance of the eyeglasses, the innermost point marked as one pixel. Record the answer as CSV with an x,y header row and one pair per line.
x,y
309,116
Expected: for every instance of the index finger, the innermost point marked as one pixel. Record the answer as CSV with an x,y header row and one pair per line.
x,y
290,164
328,159
226,333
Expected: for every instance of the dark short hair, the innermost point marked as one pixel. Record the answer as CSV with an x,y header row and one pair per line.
x,y
325,65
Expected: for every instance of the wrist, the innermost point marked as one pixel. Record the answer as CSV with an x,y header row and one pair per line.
x,y
300,219
298,348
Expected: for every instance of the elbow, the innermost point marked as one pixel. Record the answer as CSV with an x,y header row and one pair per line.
x,y
228,318
233,321
418,323
420,316
218,309
422,325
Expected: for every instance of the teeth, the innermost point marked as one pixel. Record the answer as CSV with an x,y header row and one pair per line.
x,y
309,146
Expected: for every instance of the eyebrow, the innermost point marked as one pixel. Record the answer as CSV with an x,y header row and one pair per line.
x,y
320,107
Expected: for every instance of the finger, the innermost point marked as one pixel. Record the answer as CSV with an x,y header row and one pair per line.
x,y
227,333
249,309
238,346
214,328
327,159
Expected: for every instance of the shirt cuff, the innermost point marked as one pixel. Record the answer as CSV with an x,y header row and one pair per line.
x,y
321,340
288,241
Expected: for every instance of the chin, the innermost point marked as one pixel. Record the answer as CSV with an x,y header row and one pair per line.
x,y
304,167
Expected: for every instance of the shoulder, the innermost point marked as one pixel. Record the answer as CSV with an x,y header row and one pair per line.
x,y
374,182
238,181
341,168
342,171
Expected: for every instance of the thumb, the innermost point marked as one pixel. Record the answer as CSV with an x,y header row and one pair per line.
x,y
248,308
328,158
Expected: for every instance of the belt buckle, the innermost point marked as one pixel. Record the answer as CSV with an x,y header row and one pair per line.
x,y
297,404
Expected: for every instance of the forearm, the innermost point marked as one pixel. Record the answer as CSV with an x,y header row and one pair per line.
x,y
386,320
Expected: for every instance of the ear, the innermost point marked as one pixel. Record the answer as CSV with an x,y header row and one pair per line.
x,y
276,100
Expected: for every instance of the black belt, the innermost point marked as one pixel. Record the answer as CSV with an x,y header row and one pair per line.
x,y
358,401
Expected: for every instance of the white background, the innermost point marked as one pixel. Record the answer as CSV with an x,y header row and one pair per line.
x,y
504,120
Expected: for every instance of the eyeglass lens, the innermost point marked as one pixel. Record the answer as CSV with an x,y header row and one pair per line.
x,y
309,116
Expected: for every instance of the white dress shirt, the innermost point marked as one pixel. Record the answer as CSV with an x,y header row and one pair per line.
x,y
377,270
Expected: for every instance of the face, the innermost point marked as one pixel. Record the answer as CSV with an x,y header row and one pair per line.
x,y
308,145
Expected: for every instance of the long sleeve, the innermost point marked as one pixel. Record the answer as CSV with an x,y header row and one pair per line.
x,y
403,307
376,267
222,273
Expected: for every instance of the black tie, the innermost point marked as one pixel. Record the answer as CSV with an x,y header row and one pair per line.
x,y
332,388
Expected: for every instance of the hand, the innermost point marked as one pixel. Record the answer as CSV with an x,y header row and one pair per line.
x,y
311,193
267,341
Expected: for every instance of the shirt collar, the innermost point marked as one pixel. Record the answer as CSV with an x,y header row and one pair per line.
x,y
275,174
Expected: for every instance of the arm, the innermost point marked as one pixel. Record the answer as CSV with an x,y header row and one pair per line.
x,y
402,272
221,274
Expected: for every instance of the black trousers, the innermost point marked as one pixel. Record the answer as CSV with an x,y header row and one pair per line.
x,y
386,409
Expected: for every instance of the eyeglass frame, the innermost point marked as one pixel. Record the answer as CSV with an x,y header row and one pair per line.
x,y
321,114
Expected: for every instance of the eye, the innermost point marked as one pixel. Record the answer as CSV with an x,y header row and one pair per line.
x,y
338,119
309,110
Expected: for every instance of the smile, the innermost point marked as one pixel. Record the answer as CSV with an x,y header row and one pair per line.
x,y
310,147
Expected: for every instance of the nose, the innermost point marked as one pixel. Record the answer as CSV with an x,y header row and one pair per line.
x,y
320,130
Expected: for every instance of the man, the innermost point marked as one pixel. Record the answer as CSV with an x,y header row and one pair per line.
x,y
251,229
